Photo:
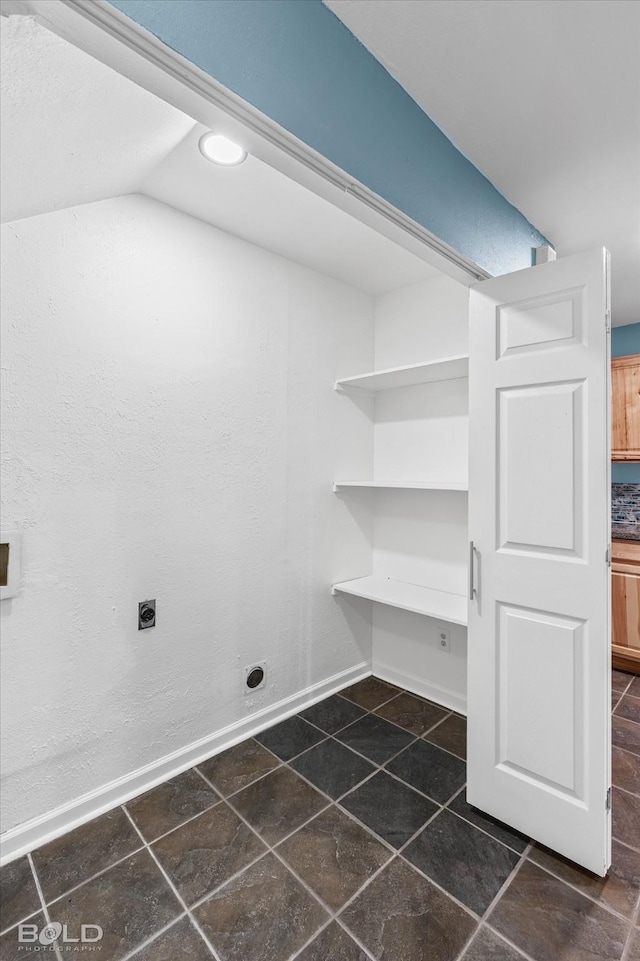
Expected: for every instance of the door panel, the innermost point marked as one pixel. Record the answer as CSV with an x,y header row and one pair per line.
x,y
539,495
540,455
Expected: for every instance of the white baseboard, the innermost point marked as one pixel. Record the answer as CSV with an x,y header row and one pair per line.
x,y
433,692
25,837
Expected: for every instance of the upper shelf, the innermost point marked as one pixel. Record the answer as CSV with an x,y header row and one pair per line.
x,y
404,485
449,368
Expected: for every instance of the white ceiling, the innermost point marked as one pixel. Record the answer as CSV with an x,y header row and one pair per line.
x,y
543,96
75,131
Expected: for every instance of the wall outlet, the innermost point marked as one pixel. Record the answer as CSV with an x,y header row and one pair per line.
x,y
255,677
444,639
146,614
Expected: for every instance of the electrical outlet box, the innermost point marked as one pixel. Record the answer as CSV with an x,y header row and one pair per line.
x,y
444,639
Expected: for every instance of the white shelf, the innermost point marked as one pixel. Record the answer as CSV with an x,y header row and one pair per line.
x,y
449,368
403,485
409,597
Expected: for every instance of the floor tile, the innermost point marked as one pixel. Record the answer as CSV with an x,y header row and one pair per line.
x,y
13,950
413,713
430,770
502,832
332,714
81,853
278,804
549,920
626,818
181,942
375,738
619,890
461,859
131,901
615,698
290,737
620,680
626,770
18,893
333,768
204,853
334,856
390,808
262,915
625,734
400,913
629,707
170,804
333,944
451,735
487,946
370,693
239,766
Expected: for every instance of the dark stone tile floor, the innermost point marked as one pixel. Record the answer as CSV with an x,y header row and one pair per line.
x,y
341,834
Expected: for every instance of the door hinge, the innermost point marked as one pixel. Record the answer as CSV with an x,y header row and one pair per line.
x,y
607,556
607,319
608,801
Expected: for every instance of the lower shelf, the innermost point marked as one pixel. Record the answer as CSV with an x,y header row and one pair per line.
x,y
408,597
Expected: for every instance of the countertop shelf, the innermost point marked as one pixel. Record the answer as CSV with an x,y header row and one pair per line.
x,y
403,485
408,597
448,368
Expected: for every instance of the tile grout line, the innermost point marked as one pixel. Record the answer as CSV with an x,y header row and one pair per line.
x,y
447,807
92,877
520,951
154,937
176,894
628,943
484,922
354,817
21,921
188,820
601,904
45,909
447,714
626,750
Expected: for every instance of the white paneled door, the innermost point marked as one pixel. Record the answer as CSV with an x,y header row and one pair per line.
x,y
539,518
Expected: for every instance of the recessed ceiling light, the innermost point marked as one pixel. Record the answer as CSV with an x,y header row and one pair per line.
x,y
220,150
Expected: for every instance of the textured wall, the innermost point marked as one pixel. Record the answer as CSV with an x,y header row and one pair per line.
x,y
422,536
170,431
298,64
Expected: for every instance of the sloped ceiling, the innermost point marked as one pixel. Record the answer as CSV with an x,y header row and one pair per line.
x,y
73,130
543,96
76,132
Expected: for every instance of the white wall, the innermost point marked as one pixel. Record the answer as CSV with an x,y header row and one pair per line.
x,y
421,536
169,433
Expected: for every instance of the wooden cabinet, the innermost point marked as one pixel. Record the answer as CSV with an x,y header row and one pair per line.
x,y
625,413
625,605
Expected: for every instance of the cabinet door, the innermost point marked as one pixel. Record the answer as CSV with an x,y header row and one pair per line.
x,y
539,516
625,602
625,390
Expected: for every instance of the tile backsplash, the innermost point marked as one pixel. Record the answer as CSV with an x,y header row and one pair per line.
x,y
625,511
